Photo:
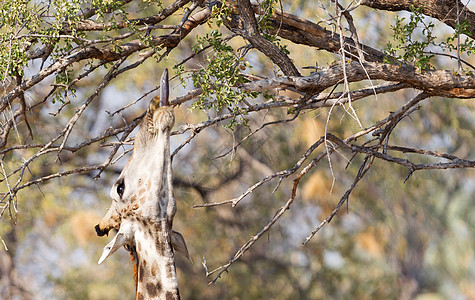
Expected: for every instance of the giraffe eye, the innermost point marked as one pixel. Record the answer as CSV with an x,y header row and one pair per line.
x,y
120,188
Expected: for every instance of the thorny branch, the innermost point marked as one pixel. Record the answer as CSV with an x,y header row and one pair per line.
x,y
371,152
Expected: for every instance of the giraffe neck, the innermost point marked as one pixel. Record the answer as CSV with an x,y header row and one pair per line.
x,y
156,273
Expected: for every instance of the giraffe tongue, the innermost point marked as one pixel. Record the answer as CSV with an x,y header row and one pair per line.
x,y
164,88
118,241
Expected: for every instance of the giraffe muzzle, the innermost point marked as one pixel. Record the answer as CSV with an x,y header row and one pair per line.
x,y
101,232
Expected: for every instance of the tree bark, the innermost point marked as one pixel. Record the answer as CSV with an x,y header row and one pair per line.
x,y
443,10
435,82
252,33
302,31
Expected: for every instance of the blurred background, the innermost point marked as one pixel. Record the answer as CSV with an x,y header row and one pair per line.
x,y
395,239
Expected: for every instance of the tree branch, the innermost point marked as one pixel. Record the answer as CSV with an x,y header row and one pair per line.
x,y
305,32
443,10
436,82
251,32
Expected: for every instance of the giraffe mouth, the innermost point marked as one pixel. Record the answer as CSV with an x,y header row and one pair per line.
x,y
161,119
123,237
101,232
160,113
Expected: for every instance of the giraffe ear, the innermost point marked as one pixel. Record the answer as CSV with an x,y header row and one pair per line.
x,y
178,243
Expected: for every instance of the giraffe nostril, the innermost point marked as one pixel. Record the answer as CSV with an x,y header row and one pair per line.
x,y
101,232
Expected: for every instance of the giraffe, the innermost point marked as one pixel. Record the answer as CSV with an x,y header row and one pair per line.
x,y
143,206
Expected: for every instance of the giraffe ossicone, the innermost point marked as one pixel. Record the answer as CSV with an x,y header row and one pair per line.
x,y
143,205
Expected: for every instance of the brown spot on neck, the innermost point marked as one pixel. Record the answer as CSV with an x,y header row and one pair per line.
x,y
170,296
152,289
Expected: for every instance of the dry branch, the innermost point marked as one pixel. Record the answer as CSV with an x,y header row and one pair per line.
x,y
435,82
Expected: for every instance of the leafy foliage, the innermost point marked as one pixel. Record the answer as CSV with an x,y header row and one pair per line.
x,y
220,79
412,50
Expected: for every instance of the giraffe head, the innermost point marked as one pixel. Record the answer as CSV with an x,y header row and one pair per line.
x,y
143,192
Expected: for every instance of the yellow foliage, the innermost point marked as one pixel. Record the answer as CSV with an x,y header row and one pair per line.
x,y
468,288
372,241
317,189
51,217
429,296
82,226
316,186
311,130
